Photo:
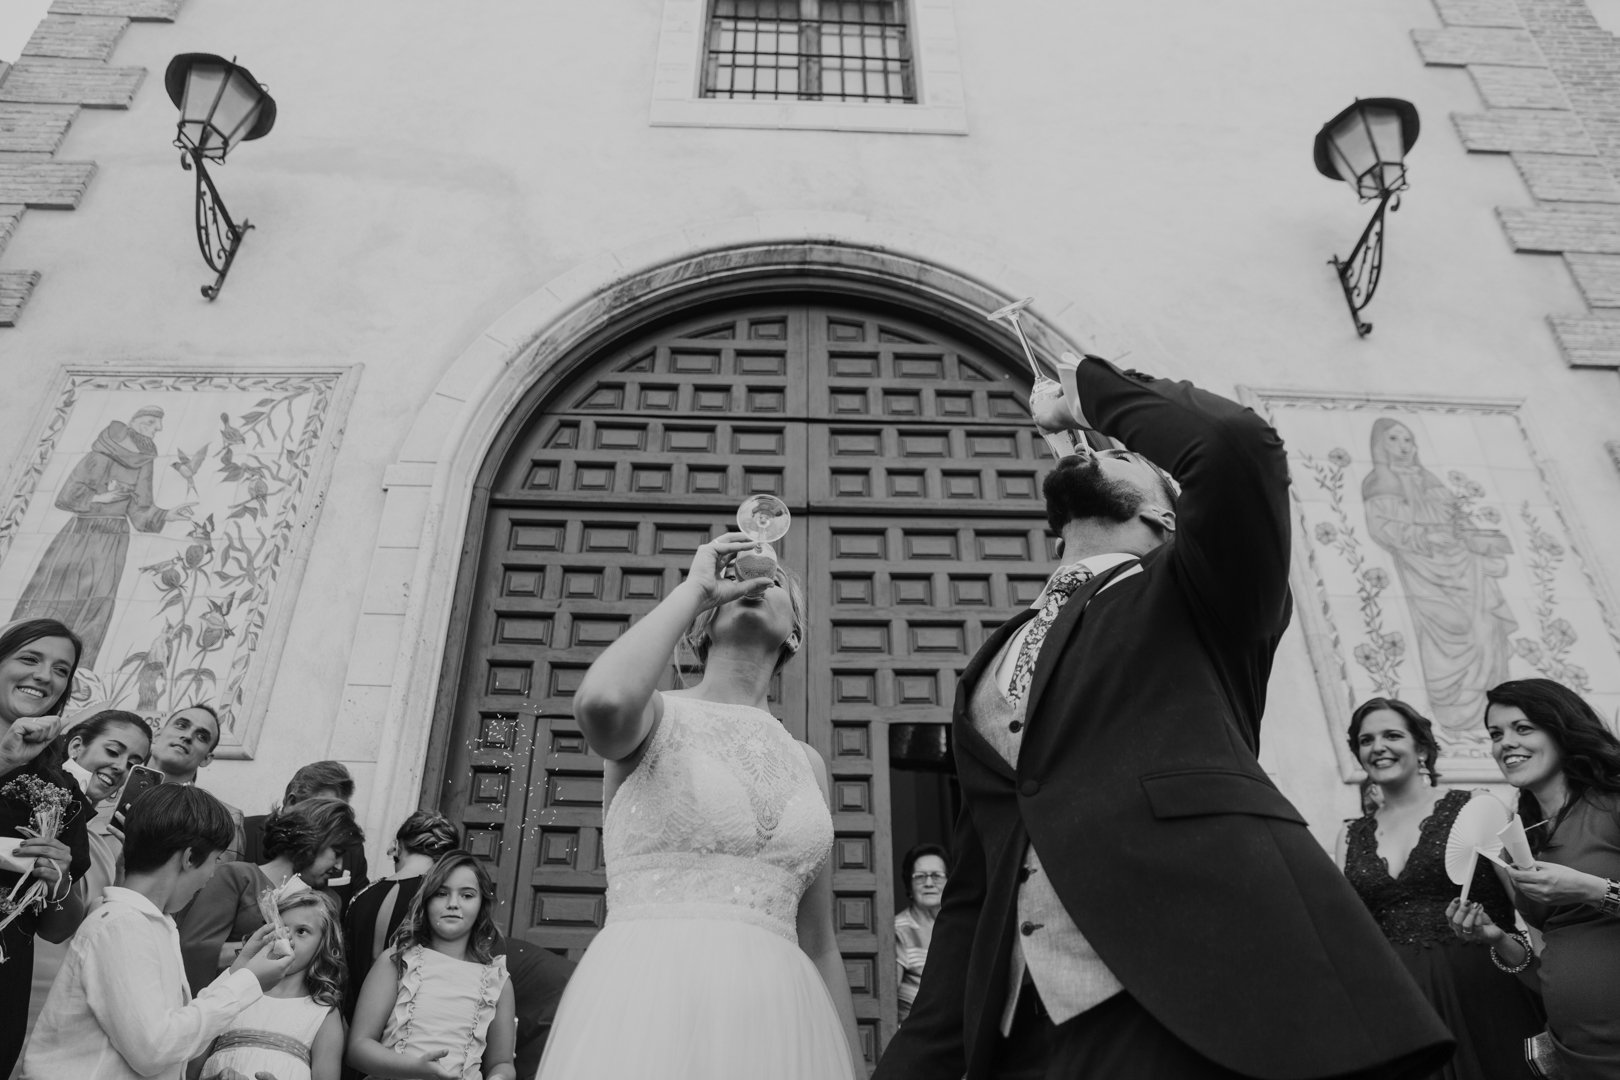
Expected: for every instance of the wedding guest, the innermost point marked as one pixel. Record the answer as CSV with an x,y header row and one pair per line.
x,y
923,871
374,915
186,743
1565,762
317,780
300,849
38,659
441,1006
121,1008
101,751
1394,857
295,1031
717,835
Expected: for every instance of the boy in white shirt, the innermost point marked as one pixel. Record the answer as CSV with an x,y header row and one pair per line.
x,y
120,1009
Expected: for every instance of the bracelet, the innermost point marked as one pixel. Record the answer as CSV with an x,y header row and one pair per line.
x,y
53,899
1524,943
1610,904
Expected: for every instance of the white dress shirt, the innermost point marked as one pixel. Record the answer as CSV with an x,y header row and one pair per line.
x,y
120,1008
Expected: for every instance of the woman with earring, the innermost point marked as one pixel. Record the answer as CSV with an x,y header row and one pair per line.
x,y
719,959
1394,856
1552,746
924,872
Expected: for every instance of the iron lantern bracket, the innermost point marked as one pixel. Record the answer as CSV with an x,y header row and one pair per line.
x,y
1360,270
217,234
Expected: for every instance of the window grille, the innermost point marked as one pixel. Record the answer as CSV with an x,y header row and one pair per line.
x,y
809,50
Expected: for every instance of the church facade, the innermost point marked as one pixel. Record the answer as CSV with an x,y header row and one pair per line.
x,y
536,295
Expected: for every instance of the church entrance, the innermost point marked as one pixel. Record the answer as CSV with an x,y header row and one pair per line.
x,y
902,445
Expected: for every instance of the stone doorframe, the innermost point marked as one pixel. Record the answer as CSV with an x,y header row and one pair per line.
x,y
395,664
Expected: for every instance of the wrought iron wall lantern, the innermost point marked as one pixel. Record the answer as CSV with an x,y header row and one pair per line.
x,y
1365,146
220,105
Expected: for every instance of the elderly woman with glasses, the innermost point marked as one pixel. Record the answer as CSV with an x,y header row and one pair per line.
x,y
924,871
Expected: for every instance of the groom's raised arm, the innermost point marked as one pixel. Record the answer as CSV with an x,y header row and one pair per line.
x,y
930,1044
1232,535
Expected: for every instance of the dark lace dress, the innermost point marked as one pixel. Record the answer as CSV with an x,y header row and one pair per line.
x,y
1490,1013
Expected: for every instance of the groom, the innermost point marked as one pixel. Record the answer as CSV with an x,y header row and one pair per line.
x,y
1131,897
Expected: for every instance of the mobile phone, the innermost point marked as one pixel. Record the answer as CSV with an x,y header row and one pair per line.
x,y
141,779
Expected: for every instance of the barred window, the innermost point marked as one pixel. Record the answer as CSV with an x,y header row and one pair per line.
x,y
809,50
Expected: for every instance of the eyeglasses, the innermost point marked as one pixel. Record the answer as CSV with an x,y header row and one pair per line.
x,y
931,875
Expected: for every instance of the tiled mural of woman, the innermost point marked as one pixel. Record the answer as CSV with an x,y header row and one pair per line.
x,y
1449,569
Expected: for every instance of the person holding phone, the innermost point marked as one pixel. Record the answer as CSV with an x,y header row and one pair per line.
x,y
1555,748
104,753
100,754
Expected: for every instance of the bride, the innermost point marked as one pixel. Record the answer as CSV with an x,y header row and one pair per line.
x,y
718,959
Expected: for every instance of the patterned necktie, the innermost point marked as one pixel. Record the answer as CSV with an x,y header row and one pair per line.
x,y
1058,590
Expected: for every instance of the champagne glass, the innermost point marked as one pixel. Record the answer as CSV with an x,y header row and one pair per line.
x,y
761,518
1062,443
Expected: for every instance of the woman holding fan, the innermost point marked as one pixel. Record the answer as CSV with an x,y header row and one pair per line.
x,y
1553,747
1394,856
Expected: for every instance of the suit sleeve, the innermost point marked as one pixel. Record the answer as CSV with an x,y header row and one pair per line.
x,y
930,1043
1231,546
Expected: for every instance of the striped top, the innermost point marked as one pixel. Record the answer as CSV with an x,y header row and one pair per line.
x,y
910,952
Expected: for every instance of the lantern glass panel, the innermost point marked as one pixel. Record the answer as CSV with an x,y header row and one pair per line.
x,y
1368,150
219,106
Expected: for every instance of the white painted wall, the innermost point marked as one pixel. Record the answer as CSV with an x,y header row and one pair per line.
x,y
433,166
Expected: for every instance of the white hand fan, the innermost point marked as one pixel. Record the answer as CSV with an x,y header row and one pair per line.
x,y
1476,827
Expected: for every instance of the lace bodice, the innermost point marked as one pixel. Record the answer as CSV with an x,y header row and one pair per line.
x,y
1410,908
722,818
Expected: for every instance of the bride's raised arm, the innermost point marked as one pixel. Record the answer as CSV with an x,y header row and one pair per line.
x,y
614,704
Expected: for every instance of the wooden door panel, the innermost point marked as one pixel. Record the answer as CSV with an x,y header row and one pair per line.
x,y
912,471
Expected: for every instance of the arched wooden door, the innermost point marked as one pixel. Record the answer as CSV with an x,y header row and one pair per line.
x,y
911,468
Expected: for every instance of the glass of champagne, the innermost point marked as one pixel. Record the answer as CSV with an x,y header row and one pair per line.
x,y
761,518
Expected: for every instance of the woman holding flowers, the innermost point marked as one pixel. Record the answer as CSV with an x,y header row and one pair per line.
x,y
42,814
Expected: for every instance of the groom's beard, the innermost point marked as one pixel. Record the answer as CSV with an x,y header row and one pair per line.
x,y
1078,489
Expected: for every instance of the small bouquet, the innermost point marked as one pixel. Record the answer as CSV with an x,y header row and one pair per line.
x,y
49,806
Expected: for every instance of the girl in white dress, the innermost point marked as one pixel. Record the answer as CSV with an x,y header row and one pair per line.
x,y
718,959
438,1005
294,1032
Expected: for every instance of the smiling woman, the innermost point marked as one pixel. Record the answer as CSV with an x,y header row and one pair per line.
x,y
1553,747
38,658
1394,858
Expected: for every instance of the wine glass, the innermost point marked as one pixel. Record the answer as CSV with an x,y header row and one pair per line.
x,y
761,518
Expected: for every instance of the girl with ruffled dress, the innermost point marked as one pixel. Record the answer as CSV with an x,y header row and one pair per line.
x,y
441,1006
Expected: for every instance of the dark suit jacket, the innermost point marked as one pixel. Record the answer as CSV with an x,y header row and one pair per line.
x,y
1195,880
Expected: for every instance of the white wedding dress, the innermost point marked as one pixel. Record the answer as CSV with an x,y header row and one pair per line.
x,y
710,843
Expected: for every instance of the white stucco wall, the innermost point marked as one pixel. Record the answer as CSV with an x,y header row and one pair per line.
x,y
1146,166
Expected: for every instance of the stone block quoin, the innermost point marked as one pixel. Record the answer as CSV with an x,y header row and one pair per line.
x,y
1549,76
63,68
